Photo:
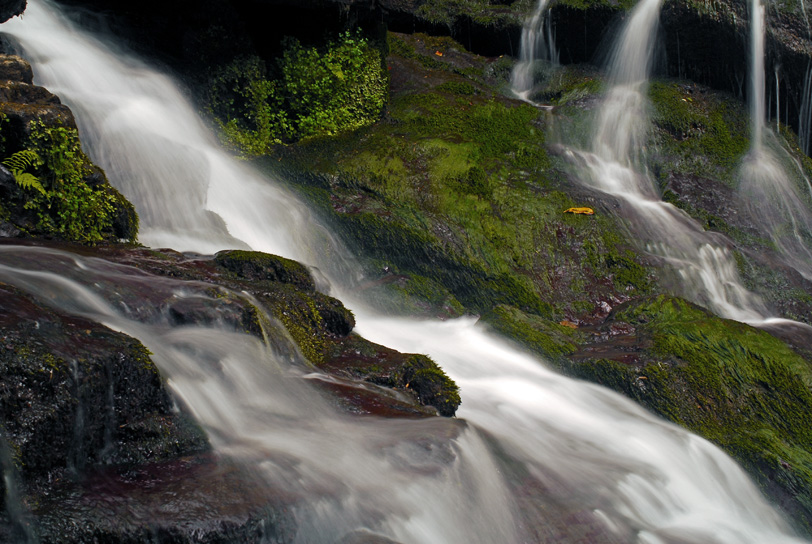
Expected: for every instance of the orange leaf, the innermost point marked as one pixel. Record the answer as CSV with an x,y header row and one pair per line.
x,y
582,211
569,324
438,53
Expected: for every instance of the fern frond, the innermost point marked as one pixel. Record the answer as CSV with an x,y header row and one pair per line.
x,y
20,161
29,181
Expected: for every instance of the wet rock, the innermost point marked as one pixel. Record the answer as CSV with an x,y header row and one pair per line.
x,y
11,8
189,500
75,394
14,68
253,265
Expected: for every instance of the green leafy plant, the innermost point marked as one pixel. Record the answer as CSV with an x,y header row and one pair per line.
x,y
337,89
325,91
21,161
68,207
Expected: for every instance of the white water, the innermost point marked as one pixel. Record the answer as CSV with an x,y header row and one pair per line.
x,y
598,460
772,183
706,271
537,43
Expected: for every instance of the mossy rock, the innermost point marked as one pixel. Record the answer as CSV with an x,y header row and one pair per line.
x,y
739,387
455,189
254,265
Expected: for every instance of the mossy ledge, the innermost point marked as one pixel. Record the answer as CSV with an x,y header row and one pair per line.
x,y
731,383
321,327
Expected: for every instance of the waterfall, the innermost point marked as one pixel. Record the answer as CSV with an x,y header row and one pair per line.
x,y
777,192
805,113
533,47
601,465
705,269
757,84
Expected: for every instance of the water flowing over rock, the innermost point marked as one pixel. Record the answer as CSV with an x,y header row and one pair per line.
x,y
422,480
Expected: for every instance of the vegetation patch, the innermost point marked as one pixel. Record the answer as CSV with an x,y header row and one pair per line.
x,y
698,131
310,92
61,193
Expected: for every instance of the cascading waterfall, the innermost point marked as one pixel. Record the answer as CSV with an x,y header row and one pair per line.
x,y
628,476
705,269
772,183
537,43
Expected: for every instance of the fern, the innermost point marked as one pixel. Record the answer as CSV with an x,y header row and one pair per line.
x,y
18,163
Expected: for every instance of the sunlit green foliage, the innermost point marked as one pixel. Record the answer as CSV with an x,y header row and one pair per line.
x,y
317,92
21,161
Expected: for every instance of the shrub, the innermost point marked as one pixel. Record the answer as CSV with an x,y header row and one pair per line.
x,y
318,92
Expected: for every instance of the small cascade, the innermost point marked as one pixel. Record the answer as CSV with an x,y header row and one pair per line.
x,y
773,184
805,112
19,518
529,447
705,270
537,44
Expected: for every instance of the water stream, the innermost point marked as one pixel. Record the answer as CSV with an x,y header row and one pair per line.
x,y
706,271
537,43
595,459
773,184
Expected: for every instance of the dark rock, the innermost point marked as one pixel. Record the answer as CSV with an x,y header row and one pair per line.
x,y
14,68
75,394
256,266
189,500
11,8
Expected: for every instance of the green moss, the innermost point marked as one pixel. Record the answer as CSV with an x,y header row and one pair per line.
x,y
71,198
733,384
548,338
460,190
255,265
457,87
698,131
432,386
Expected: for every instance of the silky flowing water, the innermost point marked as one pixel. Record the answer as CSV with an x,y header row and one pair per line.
x,y
772,183
592,458
537,43
706,272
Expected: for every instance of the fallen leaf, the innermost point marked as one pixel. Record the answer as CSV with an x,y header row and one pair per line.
x,y
438,53
582,211
569,324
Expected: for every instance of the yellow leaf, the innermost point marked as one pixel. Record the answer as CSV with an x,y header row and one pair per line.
x,y
582,211
438,53
569,324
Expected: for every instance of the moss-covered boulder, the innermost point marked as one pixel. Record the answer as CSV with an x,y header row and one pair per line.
x,y
321,326
257,266
49,187
455,200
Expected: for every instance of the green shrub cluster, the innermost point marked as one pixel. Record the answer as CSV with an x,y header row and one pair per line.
x,y
315,92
